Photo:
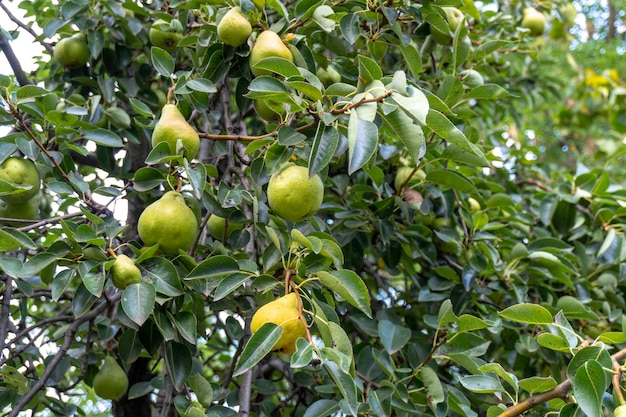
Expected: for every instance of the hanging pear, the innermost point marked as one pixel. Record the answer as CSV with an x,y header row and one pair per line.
x,y
234,29
284,313
124,272
173,126
168,222
111,382
268,44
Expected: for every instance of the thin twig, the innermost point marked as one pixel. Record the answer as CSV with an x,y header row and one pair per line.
x,y
25,27
4,313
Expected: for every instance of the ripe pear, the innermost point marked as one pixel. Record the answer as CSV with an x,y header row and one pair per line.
x,y
283,312
111,381
234,29
268,44
72,52
173,126
534,20
23,172
168,222
124,272
293,195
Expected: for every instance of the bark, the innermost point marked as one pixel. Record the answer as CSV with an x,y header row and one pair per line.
x,y
137,407
612,27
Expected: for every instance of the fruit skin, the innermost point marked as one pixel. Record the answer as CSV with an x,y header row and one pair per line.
x,y
173,126
234,29
72,52
165,39
568,14
328,75
293,195
168,222
283,312
403,173
472,78
20,171
534,20
266,112
124,272
217,224
111,382
268,44
620,411
28,210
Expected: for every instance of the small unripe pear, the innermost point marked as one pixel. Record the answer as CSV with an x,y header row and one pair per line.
x,y
124,272
268,44
534,20
162,36
234,29
111,382
173,126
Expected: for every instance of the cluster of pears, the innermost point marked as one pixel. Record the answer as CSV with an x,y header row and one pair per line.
x,y
22,173
111,382
282,312
72,52
293,194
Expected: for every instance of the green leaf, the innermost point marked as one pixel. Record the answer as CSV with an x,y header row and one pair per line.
x,y
229,284
442,126
321,408
258,346
415,104
595,353
589,386
362,142
214,267
536,384
202,388
481,384
186,324
164,276
138,301
400,127
451,180
140,107
412,58
280,66
527,313
178,362
349,286
469,323
37,263
392,336
324,146
202,85
369,70
346,385
432,384
162,61
320,16
104,137
553,342
488,91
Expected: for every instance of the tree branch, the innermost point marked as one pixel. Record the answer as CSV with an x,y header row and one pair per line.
x,y
4,313
27,28
5,46
560,391
67,343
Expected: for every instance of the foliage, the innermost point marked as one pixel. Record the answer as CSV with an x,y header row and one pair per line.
x,y
491,286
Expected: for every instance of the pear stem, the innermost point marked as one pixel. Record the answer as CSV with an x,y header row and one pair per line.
x,y
616,380
111,252
169,94
300,312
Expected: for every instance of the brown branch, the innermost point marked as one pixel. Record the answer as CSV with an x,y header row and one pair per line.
x,y
15,64
364,100
67,343
560,391
27,28
4,313
616,381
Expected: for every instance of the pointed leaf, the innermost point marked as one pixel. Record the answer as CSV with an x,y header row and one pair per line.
x,y
362,142
527,313
392,336
138,301
346,385
349,286
589,386
162,61
214,267
258,346
321,408
324,146
178,362
400,127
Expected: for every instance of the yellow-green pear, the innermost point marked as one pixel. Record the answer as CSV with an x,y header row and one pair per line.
x,y
111,382
163,36
268,44
21,172
124,272
534,20
234,29
168,222
72,52
284,313
28,210
218,229
268,110
173,126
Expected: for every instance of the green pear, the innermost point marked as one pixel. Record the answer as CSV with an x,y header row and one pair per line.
x,y
28,210
268,44
534,20
234,29
173,126
328,76
20,172
568,14
218,229
168,222
72,52
111,382
163,36
268,110
124,272
472,78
